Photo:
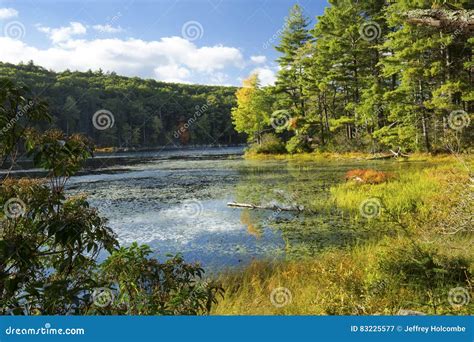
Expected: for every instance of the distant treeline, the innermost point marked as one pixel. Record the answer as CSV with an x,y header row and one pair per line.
x,y
130,112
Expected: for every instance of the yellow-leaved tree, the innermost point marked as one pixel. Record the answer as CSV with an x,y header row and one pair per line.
x,y
252,113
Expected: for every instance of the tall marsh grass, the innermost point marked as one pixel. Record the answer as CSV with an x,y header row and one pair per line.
x,y
419,265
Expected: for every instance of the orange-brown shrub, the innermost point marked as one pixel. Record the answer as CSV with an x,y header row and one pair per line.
x,y
368,176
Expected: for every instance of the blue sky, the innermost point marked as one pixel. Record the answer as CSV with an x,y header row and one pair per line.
x,y
191,41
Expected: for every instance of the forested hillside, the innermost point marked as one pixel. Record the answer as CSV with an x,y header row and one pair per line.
x,y
312,224
369,76
145,113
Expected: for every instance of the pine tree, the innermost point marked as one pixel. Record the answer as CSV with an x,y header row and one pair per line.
x,y
368,77
71,114
290,77
431,80
343,72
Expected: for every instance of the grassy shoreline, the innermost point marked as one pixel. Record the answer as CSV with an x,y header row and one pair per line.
x,y
418,264
316,156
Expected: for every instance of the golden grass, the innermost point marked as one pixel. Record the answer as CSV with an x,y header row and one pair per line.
x,y
306,156
357,280
105,149
319,156
335,283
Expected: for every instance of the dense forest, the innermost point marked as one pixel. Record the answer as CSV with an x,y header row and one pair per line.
x,y
368,76
134,111
50,242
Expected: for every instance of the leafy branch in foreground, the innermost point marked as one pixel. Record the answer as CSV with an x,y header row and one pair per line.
x,y
144,286
50,243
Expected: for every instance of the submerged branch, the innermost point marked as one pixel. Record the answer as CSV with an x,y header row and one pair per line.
x,y
393,154
266,207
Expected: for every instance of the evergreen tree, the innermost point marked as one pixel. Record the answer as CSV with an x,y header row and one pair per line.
x,y
291,75
428,65
71,114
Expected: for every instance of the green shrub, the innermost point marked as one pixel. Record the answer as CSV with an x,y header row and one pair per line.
x,y
424,267
426,276
50,243
298,144
145,286
269,144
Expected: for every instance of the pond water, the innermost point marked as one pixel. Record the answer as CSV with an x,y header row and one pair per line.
x,y
176,202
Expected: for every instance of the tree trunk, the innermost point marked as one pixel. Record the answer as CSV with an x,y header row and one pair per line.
x,y
320,110
425,132
444,19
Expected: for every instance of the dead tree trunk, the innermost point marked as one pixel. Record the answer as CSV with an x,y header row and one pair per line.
x,y
444,19
266,207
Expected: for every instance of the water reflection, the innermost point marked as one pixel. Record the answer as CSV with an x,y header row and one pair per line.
x,y
149,203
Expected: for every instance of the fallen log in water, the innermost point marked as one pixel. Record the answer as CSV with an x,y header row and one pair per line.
x,y
265,207
384,156
392,154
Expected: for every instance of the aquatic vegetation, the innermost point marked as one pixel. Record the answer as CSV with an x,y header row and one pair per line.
x,y
50,242
413,264
406,194
368,176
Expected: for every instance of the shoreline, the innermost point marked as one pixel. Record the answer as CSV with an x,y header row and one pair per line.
x,y
361,156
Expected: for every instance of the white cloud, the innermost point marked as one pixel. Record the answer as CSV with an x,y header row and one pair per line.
x,y
220,78
258,59
171,58
211,58
266,75
107,28
7,13
65,33
172,73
